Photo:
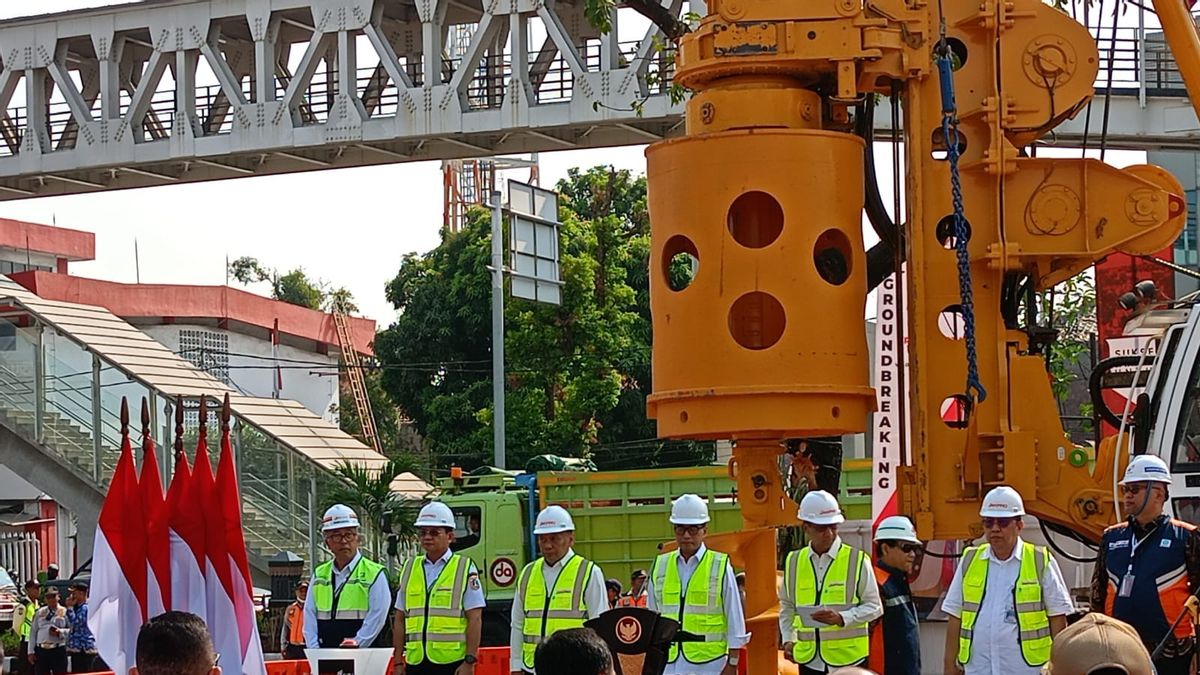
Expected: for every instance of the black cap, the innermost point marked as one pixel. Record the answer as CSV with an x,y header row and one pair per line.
x,y
613,584
33,582
303,583
638,574
78,585
50,591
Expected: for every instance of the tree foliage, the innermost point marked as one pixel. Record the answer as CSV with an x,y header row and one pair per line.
x,y
379,507
294,287
576,375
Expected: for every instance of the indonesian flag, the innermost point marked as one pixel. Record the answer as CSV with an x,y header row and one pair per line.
x,y
185,532
158,544
118,602
230,593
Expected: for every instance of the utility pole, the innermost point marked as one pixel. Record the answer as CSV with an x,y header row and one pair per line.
x,y
497,268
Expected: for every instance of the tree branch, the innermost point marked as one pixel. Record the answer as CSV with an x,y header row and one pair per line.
x,y
668,23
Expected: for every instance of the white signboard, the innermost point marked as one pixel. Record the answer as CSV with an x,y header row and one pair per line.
x,y
889,442
534,243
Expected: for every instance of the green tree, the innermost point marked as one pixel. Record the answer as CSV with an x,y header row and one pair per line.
x,y
397,437
294,287
576,375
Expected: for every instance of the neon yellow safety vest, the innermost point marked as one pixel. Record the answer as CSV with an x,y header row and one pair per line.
x,y
354,597
702,610
27,622
1032,620
838,591
563,608
435,624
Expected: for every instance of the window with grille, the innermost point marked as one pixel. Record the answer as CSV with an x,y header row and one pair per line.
x,y
207,351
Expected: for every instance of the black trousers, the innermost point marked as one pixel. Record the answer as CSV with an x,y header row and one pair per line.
x,y
86,663
294,653
804,670
50,661
433,668
1176,665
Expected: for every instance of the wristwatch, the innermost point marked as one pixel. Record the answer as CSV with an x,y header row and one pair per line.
x,y
470,659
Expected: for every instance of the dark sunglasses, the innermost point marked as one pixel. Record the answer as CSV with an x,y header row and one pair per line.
x,y
1133,488
688,529
910,548
1002,523
431,531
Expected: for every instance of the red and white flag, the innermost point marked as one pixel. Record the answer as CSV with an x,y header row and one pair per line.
x,y
239,635
117,608
158,544
185,523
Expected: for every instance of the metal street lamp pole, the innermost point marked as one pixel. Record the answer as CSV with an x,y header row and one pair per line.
x,y
498,330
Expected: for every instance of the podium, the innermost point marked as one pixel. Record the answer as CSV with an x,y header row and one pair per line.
x,y
639,639
363,661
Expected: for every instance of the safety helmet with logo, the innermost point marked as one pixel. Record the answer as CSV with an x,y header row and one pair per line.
x,y
1002,502
435,514
820,508
337,517
689,510
1146,468
552,520
896,528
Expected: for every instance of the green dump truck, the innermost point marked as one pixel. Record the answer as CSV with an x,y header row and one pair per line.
x,y
620,520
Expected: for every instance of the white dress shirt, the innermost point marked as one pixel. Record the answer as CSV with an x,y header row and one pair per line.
x,y
378,600
731,600
595,597
472,595
40,634
869,608
996,647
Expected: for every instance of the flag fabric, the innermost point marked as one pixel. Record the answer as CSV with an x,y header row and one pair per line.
x,y
187,532
117,608
184,550
234,571
158,543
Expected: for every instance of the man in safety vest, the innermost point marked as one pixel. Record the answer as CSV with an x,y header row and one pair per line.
x,y
291,636
1008,599
895,643
33,597
1149,565
695,586
439,607
558,591
349,596
828,595
636,597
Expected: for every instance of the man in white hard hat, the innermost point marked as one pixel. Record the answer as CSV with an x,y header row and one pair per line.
x,y
1008,599
680,585
895,639
559,590
439,607
828,596
1149,565
348,596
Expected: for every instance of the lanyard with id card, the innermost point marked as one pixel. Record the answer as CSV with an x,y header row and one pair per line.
x,y
1126,587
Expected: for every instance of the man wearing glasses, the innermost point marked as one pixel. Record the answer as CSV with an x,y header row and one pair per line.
x,y
895,642
696,586
1149,565
828,595
1008,598
439,607
349,596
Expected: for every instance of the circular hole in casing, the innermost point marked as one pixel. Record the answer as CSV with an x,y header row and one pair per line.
x,y
680,262
832,257
956,411
756,320
945,232
755,219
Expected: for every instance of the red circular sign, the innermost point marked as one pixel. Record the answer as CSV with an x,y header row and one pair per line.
x,y
629,630
503,572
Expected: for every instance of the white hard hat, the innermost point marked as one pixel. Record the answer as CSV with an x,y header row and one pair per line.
x,y
553,519
1002,502
1146,468
689,510
435,514
339,516
896,528
820,508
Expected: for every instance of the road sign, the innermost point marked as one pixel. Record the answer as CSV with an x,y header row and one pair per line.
x,y
534,243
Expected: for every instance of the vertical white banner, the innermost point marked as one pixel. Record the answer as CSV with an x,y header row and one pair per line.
x,y
887,442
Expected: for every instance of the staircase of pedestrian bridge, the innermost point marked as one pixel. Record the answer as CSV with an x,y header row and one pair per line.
x,y
173,91
64,370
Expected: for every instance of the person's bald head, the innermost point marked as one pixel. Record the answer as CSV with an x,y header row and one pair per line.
x,y
175,643
852,670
